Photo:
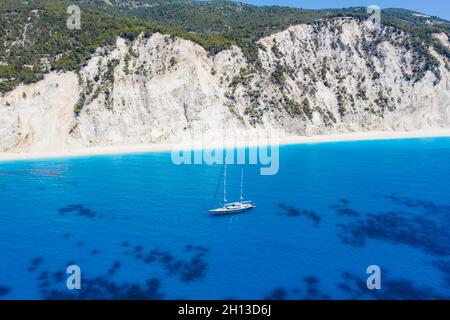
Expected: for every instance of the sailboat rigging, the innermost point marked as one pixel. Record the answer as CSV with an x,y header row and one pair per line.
x,y
234,207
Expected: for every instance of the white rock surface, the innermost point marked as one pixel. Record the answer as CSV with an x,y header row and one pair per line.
x,y
157,90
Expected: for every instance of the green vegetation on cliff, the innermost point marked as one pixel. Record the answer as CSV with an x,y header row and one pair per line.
x,y
34,39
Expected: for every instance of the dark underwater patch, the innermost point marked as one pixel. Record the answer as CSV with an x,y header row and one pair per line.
x,y
57,172
277,294
34,264
43,276
102,288
426,206
343,210
424,228
58,276
78,210
188,269
392,289
444,267
290,211
399,228
116,266
52,286
4,291
311,291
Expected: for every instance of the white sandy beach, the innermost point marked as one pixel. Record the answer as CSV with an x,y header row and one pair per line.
x,y
129,149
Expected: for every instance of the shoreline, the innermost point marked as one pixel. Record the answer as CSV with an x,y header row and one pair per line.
x,y
290,140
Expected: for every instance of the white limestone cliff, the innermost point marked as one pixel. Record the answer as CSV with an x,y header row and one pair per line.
x,y
335,76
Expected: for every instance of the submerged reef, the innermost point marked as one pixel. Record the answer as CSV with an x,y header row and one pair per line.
x,y
419,224
290,211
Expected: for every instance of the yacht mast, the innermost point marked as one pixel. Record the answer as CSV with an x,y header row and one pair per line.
x,y
242,184
225,184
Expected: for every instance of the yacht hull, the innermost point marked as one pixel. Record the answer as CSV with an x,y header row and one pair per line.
x,y
230,210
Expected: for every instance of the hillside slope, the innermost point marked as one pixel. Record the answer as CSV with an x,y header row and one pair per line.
x,y
332,75
35,40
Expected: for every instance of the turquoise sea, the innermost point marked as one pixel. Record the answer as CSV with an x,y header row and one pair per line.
x,y
138,226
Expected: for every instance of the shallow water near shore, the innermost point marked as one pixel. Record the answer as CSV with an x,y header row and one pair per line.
x,y
138,225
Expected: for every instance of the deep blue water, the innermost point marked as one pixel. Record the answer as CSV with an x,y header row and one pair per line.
x,y
138,226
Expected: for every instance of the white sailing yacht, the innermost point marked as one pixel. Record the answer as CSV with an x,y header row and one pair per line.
x,y
234,207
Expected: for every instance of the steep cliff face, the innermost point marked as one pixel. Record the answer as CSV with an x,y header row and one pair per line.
x,y
37,117
332,76
342,75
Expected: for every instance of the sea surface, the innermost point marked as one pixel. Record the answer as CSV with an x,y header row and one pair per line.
x,y
138,226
